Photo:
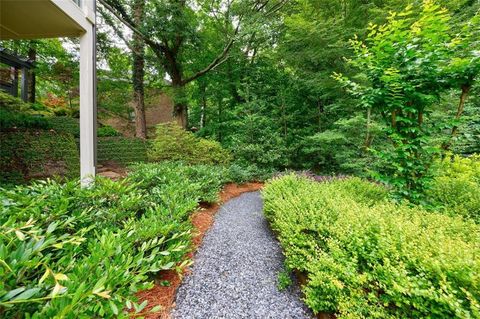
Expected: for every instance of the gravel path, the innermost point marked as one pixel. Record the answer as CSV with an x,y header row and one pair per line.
x,y
236,269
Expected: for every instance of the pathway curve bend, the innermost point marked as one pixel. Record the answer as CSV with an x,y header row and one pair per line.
x,y
235,274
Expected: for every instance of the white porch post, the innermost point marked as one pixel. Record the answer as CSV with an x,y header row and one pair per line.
x,y
88,109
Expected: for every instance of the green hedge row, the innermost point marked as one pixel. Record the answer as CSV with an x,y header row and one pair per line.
x,y
366,257
71,252
35,154
65,124
122,149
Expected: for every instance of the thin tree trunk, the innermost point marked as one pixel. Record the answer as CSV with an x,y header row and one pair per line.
x,y
461,106
203,106
138,74
368,137
32,56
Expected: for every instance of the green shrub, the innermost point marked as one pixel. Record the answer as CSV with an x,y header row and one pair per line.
x,y
172,143
11,103
374,260
204,181
240,173
257,141
17,120
71,252
455,190
14,113
107,130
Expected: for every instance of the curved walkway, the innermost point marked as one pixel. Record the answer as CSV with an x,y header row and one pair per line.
x,y
236,269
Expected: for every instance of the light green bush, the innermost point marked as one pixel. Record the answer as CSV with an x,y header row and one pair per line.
x,y
374,260
172,143
455,190
68,252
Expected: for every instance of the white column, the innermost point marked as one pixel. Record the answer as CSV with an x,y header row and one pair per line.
x,y
88,116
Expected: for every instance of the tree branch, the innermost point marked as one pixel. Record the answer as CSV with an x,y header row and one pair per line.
x,y
222,57
115,28
120,13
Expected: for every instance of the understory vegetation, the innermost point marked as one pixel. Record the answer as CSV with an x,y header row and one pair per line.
x,y
365,256
78,252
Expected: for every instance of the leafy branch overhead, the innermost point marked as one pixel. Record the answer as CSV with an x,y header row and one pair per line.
x,y
408,63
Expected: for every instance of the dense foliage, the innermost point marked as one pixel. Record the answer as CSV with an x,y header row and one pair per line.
x,y
77,252
408,63
366,257
379,89
15,114
455,189
35,154
122,150
175,144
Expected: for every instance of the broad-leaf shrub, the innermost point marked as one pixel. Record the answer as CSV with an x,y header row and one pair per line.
x,y
172,143
455,190
240,173
200,183
366,257
68,252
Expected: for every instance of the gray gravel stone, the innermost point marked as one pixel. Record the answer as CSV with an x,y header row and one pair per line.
x,y
236,269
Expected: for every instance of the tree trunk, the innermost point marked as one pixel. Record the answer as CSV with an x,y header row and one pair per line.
x,y
461,105
180,109
138,74
203,107
32,56
368,136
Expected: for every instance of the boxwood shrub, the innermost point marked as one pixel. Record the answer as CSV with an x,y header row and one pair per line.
x,y
366,257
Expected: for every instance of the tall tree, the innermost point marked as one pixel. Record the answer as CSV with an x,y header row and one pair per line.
x,y
171,28
138,72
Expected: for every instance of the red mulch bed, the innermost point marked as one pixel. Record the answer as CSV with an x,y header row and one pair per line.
x,y
202,220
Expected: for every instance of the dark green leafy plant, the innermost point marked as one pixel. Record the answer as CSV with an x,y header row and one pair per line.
x,y
71,252
107,130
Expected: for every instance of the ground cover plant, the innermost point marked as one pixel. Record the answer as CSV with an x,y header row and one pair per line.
x,y
76,252
367,257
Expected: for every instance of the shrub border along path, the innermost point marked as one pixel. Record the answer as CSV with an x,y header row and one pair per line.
x,y
236,270
164,295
